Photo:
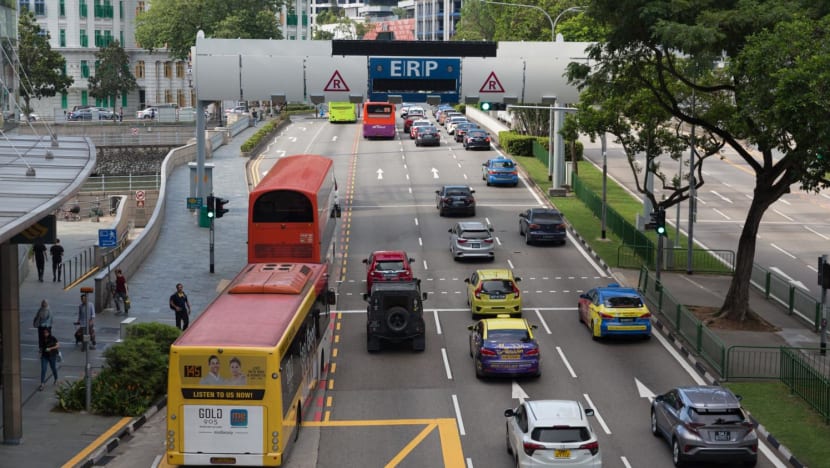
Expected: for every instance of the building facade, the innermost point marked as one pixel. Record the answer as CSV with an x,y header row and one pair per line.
x,y
79,28
435,20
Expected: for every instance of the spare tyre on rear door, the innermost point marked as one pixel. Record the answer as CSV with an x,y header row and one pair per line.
x,y
395,314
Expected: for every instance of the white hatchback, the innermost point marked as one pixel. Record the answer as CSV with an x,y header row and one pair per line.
x,y
552,433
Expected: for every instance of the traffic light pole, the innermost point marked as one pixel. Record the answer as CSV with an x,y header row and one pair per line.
x,y
211,243
822,273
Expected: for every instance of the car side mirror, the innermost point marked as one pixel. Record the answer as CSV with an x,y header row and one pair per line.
x,y
467,280
366,297
534,327
509,413
471,327
438,192
583,296
366,261
411,260
425,296
589,412
331,297
658,398
472,191
449,230
484,164
517,279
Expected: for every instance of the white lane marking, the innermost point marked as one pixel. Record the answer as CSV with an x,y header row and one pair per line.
x,y
425,265
720,213
465,176
334,138
420,242
596,414
625,462
498,241
458,415
685,365
720,196
782,251
434,173
380,173
510,264
416,221
446,363
784,201
782,214
469,462
816,233
589,258
544,324
407,177
437,322
567,363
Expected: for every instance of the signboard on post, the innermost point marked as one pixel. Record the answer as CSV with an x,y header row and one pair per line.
x,y
107,238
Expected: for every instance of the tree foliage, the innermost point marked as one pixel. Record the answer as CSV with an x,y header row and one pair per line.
x,y
174,23
525,21
40,68
112,77
767,95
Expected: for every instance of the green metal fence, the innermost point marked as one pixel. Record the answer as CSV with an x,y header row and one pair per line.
x,y
806,381
676,259
614,222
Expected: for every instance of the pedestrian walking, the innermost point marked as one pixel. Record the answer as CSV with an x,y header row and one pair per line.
x,y
40,257
48,356
57,260
180,304
42,321
120,294
86,322
121,114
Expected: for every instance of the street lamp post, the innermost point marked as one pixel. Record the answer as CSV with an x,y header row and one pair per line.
x,y
556,21
552,23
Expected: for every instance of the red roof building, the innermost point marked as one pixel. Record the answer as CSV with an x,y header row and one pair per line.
x,y
397,30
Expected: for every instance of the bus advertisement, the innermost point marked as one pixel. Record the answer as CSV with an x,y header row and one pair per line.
x,y
378,120
342,112
414,79
293,212
243,371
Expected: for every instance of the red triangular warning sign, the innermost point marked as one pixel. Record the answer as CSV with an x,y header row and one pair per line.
x,y
491,84
336,83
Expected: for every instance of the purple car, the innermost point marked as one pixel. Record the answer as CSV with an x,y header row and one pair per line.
x,y
504,346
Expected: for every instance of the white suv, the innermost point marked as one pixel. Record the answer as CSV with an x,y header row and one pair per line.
x,y
552,433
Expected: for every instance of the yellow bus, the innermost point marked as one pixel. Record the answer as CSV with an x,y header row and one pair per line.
x,y
342,112
242,373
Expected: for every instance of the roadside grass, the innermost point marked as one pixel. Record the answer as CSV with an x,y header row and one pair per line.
x,y
794,424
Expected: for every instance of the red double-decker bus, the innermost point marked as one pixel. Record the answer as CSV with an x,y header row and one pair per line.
x,y
293,212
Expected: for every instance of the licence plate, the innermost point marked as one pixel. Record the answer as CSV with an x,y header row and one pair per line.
x,y
626,319
511,356
475,246
496,296
561,453
723,436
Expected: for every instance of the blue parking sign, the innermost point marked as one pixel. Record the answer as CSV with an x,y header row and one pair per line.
x,y
107,238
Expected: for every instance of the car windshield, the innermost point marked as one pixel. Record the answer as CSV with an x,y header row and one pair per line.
x,y
457,193
508,335
477,234
621,302
497,287
561,434
547,216
473,134
389,265
726,416
503,164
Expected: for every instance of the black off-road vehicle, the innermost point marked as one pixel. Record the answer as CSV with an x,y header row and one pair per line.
x,y
395,314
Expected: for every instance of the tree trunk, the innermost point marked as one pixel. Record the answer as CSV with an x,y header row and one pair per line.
x,y
736,304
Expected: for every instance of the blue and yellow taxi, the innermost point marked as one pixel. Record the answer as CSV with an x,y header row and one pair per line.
x,y
494,292
500,171
504,346
614,311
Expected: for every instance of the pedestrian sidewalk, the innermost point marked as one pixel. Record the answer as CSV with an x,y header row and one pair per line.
x,y
54,438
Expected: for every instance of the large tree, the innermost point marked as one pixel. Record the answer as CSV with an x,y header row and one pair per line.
x,y
41,69
112,77
767,93
523,21
174,23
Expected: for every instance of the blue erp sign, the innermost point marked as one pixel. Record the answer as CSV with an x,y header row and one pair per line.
x,y
107,238
414,78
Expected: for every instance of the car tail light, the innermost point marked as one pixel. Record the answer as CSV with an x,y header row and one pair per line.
x,y
534,226
477,292
461,241
532,352
487,139
446,199
605,315
646,315
488,352
592,447
488,241
516,291
692,427
530,447
513,173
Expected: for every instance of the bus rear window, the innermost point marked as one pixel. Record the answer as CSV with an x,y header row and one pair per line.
x,y
380,109
283,206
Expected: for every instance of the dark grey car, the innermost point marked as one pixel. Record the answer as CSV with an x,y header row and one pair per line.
x,y
455,199
542,224
704,423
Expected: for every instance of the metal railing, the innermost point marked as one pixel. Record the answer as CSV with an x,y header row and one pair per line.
x,y
127,183
676,259
798,302
78,266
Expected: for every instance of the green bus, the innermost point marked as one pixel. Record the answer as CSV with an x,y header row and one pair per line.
x,y
342,112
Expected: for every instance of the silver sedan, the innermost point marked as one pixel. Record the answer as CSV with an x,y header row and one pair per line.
x,y
471,239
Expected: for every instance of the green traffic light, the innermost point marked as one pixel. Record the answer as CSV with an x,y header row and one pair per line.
x,y
485,106
661,230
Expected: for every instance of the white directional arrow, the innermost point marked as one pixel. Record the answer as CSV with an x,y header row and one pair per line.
x,y
334,138
380,174
795,283
518,393
434,173
643,390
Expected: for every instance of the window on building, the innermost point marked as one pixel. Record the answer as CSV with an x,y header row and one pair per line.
x,y
84,69
84,98
139,9
63,38
84,38
179,69
121,10
23,5
123,100
168,95
62,8
40,8
82,9
168,71
121,38
64,100
139,69
180,98
98,40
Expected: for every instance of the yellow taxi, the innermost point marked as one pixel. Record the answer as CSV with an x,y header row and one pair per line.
x,y
493,292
